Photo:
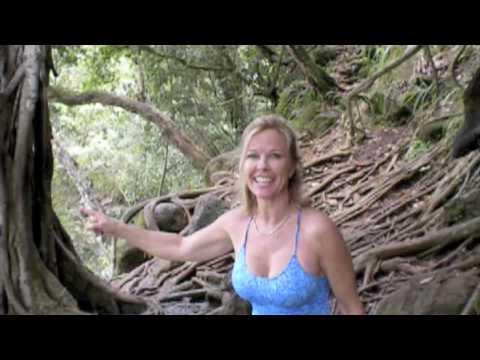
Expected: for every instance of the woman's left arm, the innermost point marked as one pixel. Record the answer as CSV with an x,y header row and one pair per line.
x,y
337,264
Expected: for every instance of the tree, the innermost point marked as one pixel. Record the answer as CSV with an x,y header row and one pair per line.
x,y
40,271
315,75
174,135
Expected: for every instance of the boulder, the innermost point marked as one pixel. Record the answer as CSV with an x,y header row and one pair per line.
x,y
234,304
208,208
168,217
463,208
444,293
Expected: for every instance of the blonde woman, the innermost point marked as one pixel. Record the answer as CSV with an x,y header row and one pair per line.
x,y
289,258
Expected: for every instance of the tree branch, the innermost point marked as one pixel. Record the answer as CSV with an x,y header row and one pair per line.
x,y
443,236
172,134
153,51
315,75
12,85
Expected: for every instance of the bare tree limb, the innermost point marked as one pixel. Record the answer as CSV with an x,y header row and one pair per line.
x,y
472,302
172,134
449,234
12,85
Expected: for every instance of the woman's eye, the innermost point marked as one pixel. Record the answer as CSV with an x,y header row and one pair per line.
x,y
276,156
252,156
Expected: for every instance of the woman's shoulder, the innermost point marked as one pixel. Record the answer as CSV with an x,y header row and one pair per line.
x,y
316,217
316,224
235,216
234,223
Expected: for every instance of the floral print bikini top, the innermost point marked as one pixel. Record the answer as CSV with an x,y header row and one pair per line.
x,y
292,292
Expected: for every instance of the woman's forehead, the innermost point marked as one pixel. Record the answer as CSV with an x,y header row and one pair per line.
x,y
268,138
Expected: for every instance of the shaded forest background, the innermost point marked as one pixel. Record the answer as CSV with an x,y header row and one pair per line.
x,y
376,123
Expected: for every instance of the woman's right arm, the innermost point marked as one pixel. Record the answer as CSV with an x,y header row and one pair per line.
x,y
207,243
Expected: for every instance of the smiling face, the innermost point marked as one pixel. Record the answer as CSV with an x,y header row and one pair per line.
x,y
267,166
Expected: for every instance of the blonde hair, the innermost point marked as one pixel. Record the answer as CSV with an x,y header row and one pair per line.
x,y
259,124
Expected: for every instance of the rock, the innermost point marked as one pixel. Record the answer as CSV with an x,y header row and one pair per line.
x,y
170,217
222,164
233,304
463,208
432,132
209,207
467,138
439,294
129,258
389,110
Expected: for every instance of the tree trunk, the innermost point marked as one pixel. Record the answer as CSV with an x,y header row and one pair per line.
x,y
172,134
40,273
315,75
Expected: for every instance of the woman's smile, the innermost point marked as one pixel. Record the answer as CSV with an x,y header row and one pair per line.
x,y
267,164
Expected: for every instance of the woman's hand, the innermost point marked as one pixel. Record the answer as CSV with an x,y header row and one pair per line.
x,y
99,223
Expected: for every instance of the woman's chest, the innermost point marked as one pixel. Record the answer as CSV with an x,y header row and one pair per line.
x,y
270,257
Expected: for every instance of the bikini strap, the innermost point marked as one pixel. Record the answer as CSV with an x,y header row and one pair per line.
x,y
246,232
297,232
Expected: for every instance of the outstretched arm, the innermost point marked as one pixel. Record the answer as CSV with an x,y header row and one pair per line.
x,y
205,244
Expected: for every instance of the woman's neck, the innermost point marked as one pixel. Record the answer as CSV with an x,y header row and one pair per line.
x,y
271,212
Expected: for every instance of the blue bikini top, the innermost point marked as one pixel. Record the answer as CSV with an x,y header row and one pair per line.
x,y
292,292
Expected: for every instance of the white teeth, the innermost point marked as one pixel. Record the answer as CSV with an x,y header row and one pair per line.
x,y
263,180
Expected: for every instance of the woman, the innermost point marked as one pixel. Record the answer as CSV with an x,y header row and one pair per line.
x,y
288,257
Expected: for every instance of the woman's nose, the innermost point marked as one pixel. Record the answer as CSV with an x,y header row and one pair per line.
x,y
262,163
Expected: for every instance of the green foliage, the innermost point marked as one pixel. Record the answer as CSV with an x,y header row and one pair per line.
x,y
386,110
453,100
193,97
324,54
67,55
417,147
421,96
294,98
90,67
375,57
313,121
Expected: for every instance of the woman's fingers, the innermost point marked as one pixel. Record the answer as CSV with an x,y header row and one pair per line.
x,y
94,220
96,228
97,222
87,212
91,214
